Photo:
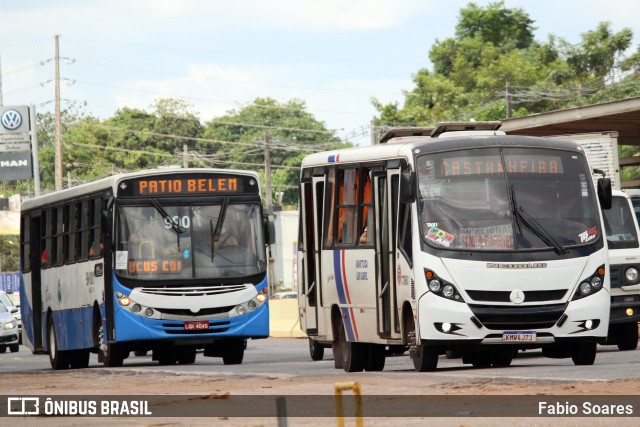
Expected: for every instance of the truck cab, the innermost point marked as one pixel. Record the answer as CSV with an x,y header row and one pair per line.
x,y
621,228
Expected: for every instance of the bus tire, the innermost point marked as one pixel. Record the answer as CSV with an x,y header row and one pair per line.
x,y
79,359
114,356
58,359
425,358
315,350
627,336
233,351
502,358
375,357
353,353
583,353
186,356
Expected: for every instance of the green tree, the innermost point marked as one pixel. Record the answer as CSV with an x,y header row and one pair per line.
x,y
494,47
237,140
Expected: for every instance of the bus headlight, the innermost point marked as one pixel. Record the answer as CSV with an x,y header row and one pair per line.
x,y
631,274
441,287
148,312
435,285
585,288
590,285
252,305
261,298
135,308
124,301
241,310
448,291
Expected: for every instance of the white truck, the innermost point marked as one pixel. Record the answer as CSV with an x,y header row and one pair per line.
x,y
621,227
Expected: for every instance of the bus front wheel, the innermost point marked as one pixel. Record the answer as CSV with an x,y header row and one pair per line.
x,y
352,353
233,351
583,353
627,336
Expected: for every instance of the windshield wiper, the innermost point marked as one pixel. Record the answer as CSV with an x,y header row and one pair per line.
x,y
223,211
174,224
532,224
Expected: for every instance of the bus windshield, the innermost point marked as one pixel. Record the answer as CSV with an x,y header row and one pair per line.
x,y
506,199
173,242
619,226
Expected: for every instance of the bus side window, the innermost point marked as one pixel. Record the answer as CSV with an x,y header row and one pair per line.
x,y
85,217
329,213
26,244
347,207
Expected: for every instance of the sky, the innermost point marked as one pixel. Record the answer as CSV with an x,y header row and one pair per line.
x,y
218,55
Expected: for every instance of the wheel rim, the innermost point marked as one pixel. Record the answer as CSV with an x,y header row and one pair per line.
x,y
52,342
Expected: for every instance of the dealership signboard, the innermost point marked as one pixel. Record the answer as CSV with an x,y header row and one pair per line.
x,y
15,150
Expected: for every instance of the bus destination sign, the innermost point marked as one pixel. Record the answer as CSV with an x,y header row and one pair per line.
x,y
525,163
183,185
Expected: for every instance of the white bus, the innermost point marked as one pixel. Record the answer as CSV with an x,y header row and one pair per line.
x,y
621,228
435,240
165,260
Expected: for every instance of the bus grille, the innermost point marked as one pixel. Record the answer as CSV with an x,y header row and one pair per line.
x,y
529,296
616,275
518,318
199,291
185,312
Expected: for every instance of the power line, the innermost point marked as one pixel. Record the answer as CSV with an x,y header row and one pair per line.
x,y
244,82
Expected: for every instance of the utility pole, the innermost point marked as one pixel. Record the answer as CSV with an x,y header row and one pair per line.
x,y
185,156
58,155
508,99
267,173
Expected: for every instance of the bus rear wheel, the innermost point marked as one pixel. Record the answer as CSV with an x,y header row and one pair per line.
x,y
57,358
79,359
233,351
315,350
375,357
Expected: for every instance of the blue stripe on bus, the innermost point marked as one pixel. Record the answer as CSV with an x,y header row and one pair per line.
x,y
337,273
340,284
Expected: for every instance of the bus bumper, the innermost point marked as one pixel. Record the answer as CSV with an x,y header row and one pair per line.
x,y
442,321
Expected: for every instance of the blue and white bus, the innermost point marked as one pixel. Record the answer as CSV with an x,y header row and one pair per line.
x,y
469,241
166,260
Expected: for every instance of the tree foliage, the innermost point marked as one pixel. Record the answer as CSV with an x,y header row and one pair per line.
x,y
494,54
134,139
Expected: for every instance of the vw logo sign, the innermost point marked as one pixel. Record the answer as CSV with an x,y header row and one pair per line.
x,y
11,119
516,296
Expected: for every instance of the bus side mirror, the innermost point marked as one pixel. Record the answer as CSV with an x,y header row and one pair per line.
x,y
269,230
407,187
604,193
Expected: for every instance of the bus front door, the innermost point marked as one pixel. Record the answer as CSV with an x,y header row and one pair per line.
x,y
386,186
313,195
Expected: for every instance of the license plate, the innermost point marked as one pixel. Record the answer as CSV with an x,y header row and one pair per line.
x,y
196,325
519,336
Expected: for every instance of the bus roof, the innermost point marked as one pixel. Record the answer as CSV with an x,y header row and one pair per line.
x,y
113,181
405,146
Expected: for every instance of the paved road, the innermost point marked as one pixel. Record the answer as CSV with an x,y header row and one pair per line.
x,y
281,358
